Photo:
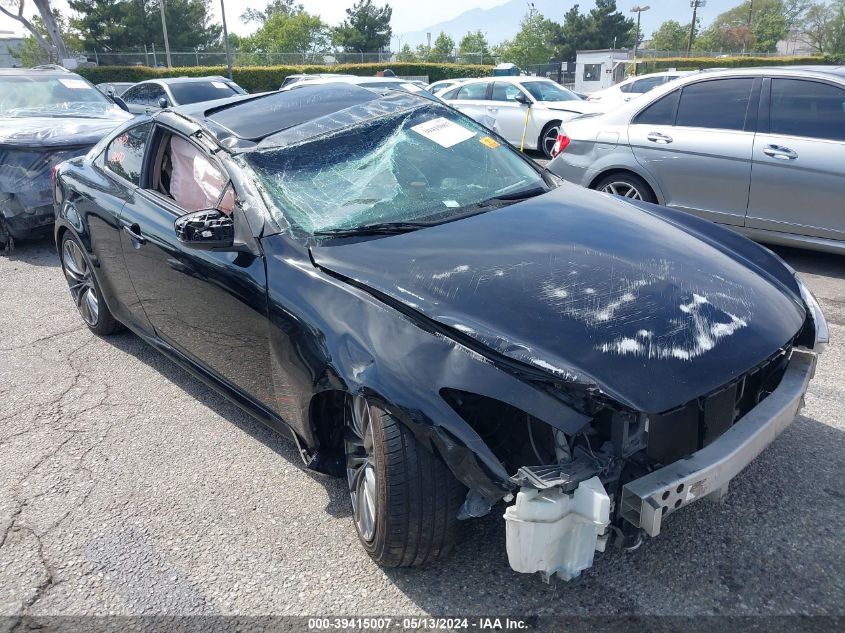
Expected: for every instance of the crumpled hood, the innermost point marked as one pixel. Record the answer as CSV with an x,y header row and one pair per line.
x,y
49,132
589,289
581,107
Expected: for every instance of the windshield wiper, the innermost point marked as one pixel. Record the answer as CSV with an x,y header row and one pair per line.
x,y
393,228
380,228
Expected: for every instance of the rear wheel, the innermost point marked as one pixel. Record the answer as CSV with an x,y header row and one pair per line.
x,y
404,499
626,185
84,288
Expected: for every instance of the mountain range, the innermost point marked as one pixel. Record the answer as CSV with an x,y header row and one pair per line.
x,y
502,22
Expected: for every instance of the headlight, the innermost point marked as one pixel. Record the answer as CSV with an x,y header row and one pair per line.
x,y
822,331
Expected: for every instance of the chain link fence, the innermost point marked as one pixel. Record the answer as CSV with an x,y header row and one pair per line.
x,y
156,57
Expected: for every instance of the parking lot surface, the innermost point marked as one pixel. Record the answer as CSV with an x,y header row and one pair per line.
x,y
128,487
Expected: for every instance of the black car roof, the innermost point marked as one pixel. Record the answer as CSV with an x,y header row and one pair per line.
x,y
252,118
184,80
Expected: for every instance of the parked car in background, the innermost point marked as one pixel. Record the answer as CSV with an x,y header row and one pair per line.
x,y
155,94
292,79
761,149
509,99
444,84
115,89
46,116
632,88
434,318
393,83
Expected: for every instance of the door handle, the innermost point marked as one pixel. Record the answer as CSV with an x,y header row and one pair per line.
x,y
658,137
492,109
134,233
781,153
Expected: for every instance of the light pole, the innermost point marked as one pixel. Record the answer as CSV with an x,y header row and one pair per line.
x,y
164,31
695,4
226,39
638,10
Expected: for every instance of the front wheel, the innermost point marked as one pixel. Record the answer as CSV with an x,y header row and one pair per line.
x,y
404,499
627,186
548,138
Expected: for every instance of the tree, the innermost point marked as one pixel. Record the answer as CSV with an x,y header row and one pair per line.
x,y
816,26
286,7
406,54
48,19
670,36
443,49
123,24
300,33
533,43
572,34
366,27
753,25
609,27
603,27
474,47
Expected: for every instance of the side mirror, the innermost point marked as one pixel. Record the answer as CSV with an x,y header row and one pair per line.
x,y
207,230
521,98
110,92
162,102
120,103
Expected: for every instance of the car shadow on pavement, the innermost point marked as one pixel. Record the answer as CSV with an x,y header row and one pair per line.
x,y
812,262
284,446
773,545
36,252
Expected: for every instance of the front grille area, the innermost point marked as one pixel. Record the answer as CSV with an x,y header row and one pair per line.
x,y
682,431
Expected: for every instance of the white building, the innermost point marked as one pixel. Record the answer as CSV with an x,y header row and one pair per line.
x,y
9,41
600,69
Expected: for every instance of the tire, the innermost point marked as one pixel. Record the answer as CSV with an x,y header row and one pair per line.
x,y
414,497
84,289
548,137
626,185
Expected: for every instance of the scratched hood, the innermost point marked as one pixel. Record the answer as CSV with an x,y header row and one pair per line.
x,y
589,289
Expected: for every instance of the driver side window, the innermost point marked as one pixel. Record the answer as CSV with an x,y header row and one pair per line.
x,y
195,181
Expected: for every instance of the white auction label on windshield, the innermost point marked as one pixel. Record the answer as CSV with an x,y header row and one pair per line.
x,y
443,132
74,84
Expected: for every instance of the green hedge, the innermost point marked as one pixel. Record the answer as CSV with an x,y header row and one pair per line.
x,y
694,63
263,78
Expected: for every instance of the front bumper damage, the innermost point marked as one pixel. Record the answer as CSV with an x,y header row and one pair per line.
x,y
645,501
554,532
556,524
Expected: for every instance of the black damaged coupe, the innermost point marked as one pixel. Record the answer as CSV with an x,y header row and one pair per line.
x,y
432,316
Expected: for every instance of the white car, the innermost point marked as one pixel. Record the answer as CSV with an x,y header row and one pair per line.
x,y
443,85
632,88
529,108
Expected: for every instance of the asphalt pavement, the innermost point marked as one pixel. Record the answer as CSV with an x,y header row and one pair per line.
x,y
128,487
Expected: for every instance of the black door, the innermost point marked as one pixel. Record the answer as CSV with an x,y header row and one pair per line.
x,y
211,306
95,208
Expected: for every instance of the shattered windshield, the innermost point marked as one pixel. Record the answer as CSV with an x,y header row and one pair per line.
x,y
427,163
51,96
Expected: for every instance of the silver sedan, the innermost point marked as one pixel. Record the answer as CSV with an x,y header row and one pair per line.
x,y
761,150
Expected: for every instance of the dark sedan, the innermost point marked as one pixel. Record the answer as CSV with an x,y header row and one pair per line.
x,y
154,94
434,318
46,116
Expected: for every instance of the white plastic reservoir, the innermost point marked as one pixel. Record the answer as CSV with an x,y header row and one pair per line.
x,y
553,532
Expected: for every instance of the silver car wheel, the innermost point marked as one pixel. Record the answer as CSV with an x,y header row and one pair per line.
x,y
549,140
360,466
80,280
624,189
